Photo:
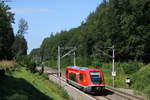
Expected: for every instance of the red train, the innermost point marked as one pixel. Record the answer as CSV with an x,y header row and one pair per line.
x,y
88,79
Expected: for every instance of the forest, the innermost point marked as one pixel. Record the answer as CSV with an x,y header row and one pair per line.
x,y
122,23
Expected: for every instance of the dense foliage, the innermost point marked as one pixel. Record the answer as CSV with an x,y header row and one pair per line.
x,y
19,46
6,32
122,23
28,62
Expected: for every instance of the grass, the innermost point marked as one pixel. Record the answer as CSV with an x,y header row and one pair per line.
x,y
23,85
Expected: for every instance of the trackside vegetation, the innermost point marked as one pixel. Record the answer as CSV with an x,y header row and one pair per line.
x,y
141,81
138,72
24,85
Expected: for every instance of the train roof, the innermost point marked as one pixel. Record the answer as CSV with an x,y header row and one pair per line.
x,y
81,68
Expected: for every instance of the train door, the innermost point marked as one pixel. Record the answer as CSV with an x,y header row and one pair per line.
x,y
78,77
66,73
81,77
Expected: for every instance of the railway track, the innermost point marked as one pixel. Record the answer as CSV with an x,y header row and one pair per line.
x,y
94,97
124,94
109,93
53,74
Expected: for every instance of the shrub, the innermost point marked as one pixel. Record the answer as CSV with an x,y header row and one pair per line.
x,y
52,63
131,67
27,62
141,81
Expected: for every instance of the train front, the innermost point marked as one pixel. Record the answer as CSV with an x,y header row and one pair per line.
x,y
96,79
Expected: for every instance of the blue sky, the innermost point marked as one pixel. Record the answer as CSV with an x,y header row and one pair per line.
x,y
46,16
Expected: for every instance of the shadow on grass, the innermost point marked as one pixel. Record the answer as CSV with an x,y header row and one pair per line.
x,y
19,89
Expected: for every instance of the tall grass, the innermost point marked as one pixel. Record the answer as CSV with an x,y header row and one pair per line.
x,y
6,64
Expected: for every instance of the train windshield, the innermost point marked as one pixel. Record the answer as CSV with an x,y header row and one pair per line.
x,y
95,77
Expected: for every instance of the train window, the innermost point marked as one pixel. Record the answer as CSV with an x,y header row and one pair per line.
x,y
73,77
81,77
95,77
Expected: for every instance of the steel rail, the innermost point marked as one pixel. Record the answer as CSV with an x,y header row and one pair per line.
x,y
124,94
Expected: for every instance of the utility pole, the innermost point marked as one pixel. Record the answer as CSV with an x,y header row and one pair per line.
x,y
58,64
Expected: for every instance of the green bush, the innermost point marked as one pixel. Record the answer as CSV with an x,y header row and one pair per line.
x,y
51,64
141,80
131,67
27,62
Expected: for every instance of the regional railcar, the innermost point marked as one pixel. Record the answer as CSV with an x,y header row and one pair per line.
x,y
88,79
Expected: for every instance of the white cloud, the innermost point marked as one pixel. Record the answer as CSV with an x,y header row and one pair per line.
x,y
29,10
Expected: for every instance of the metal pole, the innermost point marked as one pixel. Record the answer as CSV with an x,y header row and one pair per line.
x,y
59,63
113,65
74,60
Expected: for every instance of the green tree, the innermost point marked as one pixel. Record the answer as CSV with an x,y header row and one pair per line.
x,y
6,31
22,27
19,46
20,43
